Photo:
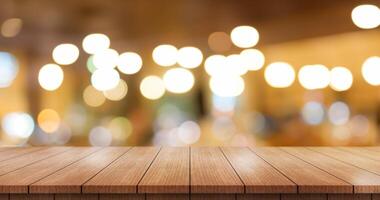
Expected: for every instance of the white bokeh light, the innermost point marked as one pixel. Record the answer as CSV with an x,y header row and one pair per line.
x,y
234,65
340,79
129,63
252,59
95,42
227,86
8,69
244,36
189,57
189,132
105,79
50,77
117,93
313,77
339,113
100,136
366,16
106,58
65,54
371,70
152,87
18,124
165,55
313,113
213,64
279,74
178,80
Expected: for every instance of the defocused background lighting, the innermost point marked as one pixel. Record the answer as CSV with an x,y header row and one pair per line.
x,y
339,113
18,124
100,136
244,36
65,54
117,93
252,59
178,80
313,113
8,69
129,63
50,77
165,55
106,58
189,132
340,79
152,87
213,64
313,77
235,65
11,27
120,128
371,70
219,42
279,74
48,120
95,42
366,16
90,64
227,86
189,57
93,97
105,79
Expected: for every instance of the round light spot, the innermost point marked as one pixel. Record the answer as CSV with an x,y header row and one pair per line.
x,y
244,36
339,113
313,77
48,120
279,74
11,27
313,113
189,132
189,57
95,42
227,86
219,42
18,124
129,63
340,79
152,87
371,70
50,77
213,64
93,97
105,79
90,64
117,93
100,136
366,16
121,128
165,55
106,58
178,80
252,59
8,69
234,65
65,54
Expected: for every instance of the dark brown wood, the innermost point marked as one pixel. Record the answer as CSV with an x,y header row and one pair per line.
x,y
213,197
76,197
349,197
121,196
31,197
258,197
167,197
303,197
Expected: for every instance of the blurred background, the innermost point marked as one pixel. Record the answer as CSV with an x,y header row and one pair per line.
x,y
191,72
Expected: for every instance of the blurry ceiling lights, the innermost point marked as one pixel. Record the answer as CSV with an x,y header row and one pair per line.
x,y
366,16
279,74
95,42
100,136
340,78
214,63
245,36
165,55
105,79
227,86
117,93
219,42
234,65
106,58
50,77
339,113
313,77
152,87
65,54
189,132
371,70
129,63
18,125
8,69
313,113
48,120
189,57
178,80
93,97
11,27
252,59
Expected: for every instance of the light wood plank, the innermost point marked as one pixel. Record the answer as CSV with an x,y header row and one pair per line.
x,y
303,197
308,178
258,197
362,180
27,159
19,180
349,197
167,197
76,197
121,196
374,155
212,173
257,175
71,178
124,174
169,172
10,153
213,197
31,197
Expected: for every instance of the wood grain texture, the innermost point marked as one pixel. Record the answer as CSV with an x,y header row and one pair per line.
x,y
76,197
31,197
258,197
374,155
169,172
213,197
212,173
27,159
349,197
71,178
362,180
308,178
375,196
303,197
123,175
10,153
19,180
257,175
167,197
121,196
4,196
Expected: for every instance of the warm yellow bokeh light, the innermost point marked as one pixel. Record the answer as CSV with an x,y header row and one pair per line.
x,y
234,65
228,86
117,93
219,42
279,74
121,128
189,57
50,77
95,42
371,70
178,80
65,54
105,79
340,79
366,16
106,58
152,87
48,120
129,63
93,97
215,63
252,59
11,27
244,36
313,77
165,55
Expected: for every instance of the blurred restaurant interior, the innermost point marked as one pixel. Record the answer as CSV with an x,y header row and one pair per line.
x,y
189,72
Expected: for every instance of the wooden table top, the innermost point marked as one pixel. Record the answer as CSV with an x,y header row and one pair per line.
x,y
185,170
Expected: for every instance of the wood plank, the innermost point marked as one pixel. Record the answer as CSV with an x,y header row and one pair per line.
x,y
169,172
213,197
303,197
76,197
4,196
212,173
349,196
31,197
258,197
124,174
121,196
257,175
19,180
375,196
308,178
27,159
8,153
167,197
362,180
374,155
71,178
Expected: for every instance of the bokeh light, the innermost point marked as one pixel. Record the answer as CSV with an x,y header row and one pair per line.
x,y
18,125
93,97
340,79
252,59
313,77
95,42
189,132
165,55
244,36
313,113
121,128
152,87
50,77
366,16
11,27
117,93
178,80
223,128
227,86
105,79
49,120
129,63
189,57
214,64
371,70
339,113
100,136
279,74
106,58
90,64
219,42
65,54
8,69
234,65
